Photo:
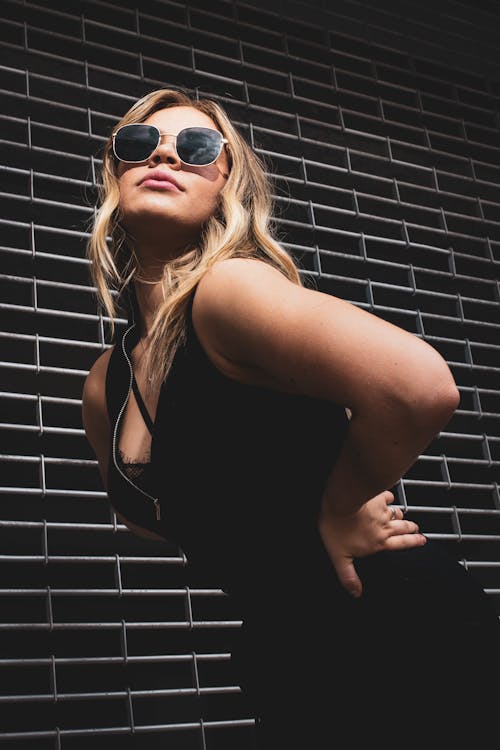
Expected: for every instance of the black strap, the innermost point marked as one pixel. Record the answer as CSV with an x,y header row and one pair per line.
x,y
142,406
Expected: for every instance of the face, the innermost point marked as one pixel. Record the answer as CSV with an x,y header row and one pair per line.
x,y
153,209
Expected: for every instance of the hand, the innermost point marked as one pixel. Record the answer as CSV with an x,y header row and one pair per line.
x,y
371,528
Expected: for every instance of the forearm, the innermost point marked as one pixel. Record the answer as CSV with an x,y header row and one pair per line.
x,y
379,448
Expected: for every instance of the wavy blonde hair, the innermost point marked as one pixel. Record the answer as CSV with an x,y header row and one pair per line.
x,y
241,226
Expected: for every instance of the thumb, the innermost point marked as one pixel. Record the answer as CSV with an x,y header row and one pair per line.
x,y
348,577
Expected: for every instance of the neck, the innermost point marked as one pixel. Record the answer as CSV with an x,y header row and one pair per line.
x,y
147,280
149,298
156,243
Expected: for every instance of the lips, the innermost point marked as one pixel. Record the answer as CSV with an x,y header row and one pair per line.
x,y
160,178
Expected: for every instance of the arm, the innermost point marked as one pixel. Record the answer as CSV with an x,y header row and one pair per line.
x,y
399,389
96,425
378,449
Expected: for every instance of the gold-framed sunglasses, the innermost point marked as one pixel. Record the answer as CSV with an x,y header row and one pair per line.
x,y
195,146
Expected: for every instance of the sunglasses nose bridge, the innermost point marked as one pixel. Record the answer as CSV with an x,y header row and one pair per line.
x,y
162,136
166,145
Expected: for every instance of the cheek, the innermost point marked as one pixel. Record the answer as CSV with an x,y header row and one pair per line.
x,y
211,197
206,206
125,192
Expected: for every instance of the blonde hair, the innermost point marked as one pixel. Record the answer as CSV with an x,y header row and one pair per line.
x,y
240,227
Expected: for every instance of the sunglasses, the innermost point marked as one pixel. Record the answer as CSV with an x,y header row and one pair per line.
x,y
197,146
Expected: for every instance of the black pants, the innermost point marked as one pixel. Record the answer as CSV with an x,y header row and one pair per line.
x,y
417,654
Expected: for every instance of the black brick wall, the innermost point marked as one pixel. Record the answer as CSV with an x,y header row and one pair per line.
x,y
381,125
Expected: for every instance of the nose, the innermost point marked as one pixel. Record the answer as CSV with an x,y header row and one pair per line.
x,y
165,151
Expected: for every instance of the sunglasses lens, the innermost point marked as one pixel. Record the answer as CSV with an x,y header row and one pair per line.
x,y
136,142
198,146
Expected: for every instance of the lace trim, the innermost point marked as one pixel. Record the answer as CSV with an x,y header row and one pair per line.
x,y
129,460
134,468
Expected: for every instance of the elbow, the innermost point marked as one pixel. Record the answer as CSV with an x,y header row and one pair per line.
x,y
423,394
446,404
453,398
442,389
435,404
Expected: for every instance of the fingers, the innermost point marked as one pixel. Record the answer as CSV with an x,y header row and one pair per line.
x,y
395,513
348,577
404,527
388,496
405,541
403,534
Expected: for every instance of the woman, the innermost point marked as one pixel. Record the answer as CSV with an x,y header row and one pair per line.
x,y
260,424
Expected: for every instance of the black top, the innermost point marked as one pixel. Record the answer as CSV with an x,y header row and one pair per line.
x,y
137,471
238,471
142,406
227,459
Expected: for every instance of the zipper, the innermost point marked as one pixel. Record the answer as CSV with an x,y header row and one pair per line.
x,y
155,500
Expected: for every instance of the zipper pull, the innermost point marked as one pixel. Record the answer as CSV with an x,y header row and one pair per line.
x,y
157,506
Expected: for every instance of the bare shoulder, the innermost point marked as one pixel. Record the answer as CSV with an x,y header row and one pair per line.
x,y
94,390
275,332
216,294
97,373
249,272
